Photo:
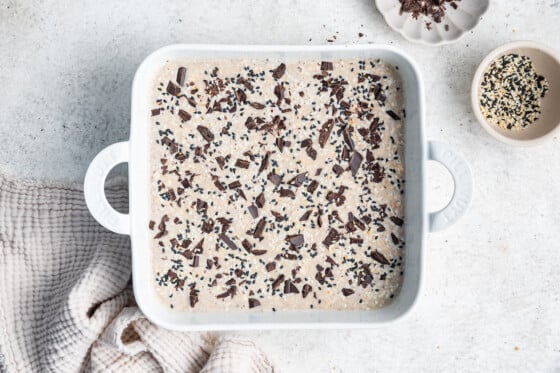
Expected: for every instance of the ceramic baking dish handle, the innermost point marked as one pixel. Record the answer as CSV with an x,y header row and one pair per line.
x,y
463,180
94,187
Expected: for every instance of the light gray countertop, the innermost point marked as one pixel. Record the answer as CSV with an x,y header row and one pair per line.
x,y
491,298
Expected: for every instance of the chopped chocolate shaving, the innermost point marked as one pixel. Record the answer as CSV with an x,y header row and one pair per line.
x,y
257,105
338,170
298,180
275,179
241,163
253,211
393,115
278,216
398,221
296,240
208,226
270,266
305,143
378,257
346,292
306,215
181,76
235,184
312,153
264,163
286,193
312,187
173,89
259,229
240,96
325,132
196,261
306,290
193,297
279,280
151,225
254,303
221,161
327,65
332,237
278,72
247,245
155,112
347,136
355,162
259,252
289,287
259,201
184,115
228,241
201,206
395,239
199,248
206,133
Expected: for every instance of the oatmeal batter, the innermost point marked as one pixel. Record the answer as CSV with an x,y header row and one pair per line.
x,y
277,185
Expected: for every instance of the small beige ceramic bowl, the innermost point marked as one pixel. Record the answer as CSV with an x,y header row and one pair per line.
x,y
547,63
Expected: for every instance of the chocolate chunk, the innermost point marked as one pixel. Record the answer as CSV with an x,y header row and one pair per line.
x,y
181,76
332,237
254,303
193,297
318,172
275,179
338,170
221,161
345,153
306,215
378,173
326,65
155,112
191,101
259,252
346,292
226,223
312,187
319,277
289,287
395,239
329,273
173,89
264,163
241,163
185,243
201,206
278,216
208,226
286,193
296,240
240,96
228,241
279,92
219,185
356,240
196,261
184,115
257,105
276,284
209,263
355,162
271,266
398,221
247,245
306,290
199,248
206,133
259,229
305,143
250,123
259,201
278,72
348,138
325,132
235,184
280,144
393,115
151,225
378,257
298,180
312,153
253,211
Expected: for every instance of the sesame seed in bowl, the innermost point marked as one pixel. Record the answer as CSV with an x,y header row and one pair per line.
x,y
514,93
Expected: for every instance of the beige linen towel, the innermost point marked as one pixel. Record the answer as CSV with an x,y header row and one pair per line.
x,y
65,298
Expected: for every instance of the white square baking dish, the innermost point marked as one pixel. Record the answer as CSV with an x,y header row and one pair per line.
x,y
417,220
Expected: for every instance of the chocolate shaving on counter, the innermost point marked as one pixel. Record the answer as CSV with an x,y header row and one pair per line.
x,y
253,211
264,163
206,133
184,115
259,229
270,266
228,241
355,162
278,72
254,303
181,76
173,89
378,257
241,163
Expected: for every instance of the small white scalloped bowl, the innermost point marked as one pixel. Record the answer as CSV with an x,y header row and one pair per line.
x,y
460,21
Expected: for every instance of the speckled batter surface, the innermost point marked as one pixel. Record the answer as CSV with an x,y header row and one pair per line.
x,y
277,185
